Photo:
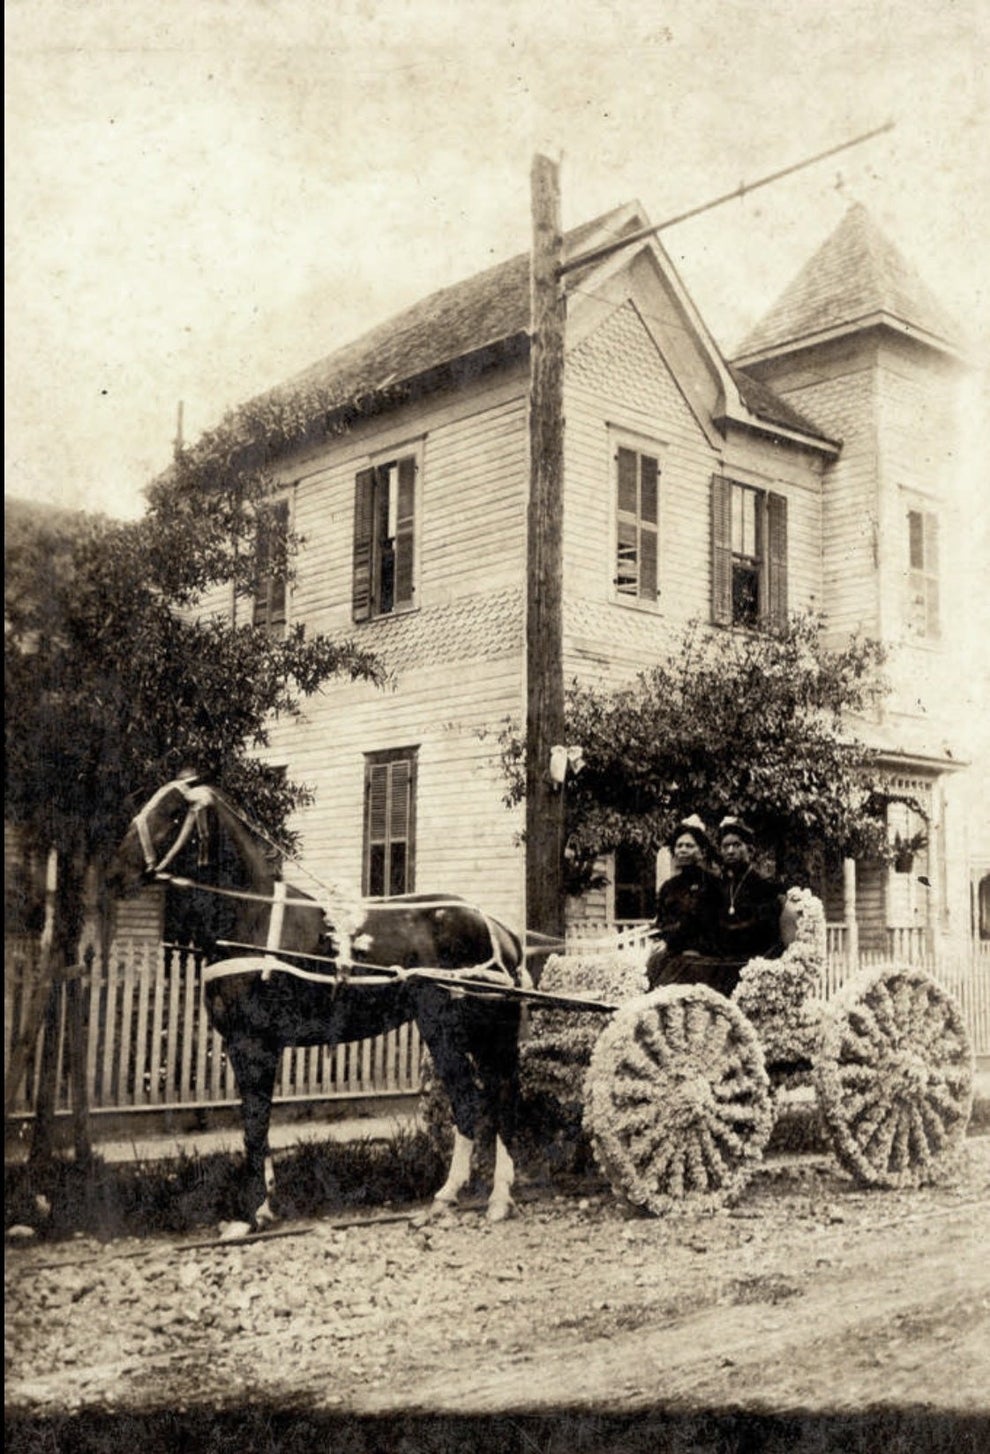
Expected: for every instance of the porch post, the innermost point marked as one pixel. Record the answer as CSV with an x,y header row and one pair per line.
x,y
849,912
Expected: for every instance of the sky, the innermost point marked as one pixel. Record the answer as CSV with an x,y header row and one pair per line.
x,y
204,197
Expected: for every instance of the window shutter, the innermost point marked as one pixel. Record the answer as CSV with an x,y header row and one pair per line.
x,y
271,592
648,509
721,551
404,532
931,571
777,560
364,518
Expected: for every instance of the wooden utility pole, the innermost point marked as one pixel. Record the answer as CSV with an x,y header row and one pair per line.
x,y
544,614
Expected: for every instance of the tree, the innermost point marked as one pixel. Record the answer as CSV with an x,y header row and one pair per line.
x,y
754,723
113,682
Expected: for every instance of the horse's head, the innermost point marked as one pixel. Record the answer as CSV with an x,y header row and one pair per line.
x,y
158,832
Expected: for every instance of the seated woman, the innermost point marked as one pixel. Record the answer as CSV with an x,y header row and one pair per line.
x,y
749,904
687,909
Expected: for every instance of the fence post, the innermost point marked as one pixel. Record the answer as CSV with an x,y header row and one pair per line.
x,y
76,991
849,914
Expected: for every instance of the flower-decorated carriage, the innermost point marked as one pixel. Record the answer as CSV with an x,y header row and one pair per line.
x,y
678,1092
680,1089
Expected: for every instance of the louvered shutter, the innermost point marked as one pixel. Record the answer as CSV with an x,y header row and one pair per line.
x,y
777,560
404,532
364,521
376,828
271,592
398,828
931,575
626,559
649,475
721,551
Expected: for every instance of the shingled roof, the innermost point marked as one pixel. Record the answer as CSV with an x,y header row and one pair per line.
x,y
856,279
485,314
485,311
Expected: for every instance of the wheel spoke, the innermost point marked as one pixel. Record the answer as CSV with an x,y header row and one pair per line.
x,y
685,1120
894,1077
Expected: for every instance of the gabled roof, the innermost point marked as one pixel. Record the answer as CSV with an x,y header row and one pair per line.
x,y
485,311
485,314
857,279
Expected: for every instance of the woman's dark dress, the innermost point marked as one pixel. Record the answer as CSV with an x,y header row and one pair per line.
x,y
687,921
713,927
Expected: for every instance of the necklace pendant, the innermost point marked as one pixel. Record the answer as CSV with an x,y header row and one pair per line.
x,y
732,910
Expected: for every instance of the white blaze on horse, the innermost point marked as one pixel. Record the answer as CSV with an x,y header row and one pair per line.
x,y
233,894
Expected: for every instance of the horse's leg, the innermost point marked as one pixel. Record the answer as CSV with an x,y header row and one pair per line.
x,y
255,1063
442,1028
496,1052
458,1173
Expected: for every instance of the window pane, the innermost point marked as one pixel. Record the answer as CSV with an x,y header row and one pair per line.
x,y
627,572
397,876
627,481
376,869
916,539
635,883
745,594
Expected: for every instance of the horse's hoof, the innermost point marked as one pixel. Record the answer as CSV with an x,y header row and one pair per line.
x,y
264,1217
437,1211
231,1230
501,1211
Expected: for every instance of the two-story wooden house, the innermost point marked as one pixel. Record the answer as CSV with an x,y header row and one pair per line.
x,y
814,471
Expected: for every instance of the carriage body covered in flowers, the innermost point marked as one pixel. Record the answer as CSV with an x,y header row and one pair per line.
x,y
679,1092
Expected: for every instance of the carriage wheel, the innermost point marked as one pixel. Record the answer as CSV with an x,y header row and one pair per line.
x,y
894,1077
678,1100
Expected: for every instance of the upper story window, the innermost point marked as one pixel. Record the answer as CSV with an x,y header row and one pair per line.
x,y
749,555
389,822
922,602
384,538
637,524
271,588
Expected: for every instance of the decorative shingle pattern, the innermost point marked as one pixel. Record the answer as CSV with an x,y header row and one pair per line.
x,y
472,628
855,274
620,360
643,637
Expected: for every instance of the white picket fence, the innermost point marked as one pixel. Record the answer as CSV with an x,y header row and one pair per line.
x,y
150,1045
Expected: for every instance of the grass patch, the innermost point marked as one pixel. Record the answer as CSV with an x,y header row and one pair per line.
x,y
192,1192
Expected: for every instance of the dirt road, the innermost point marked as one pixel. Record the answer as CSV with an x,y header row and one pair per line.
x,y
810,1295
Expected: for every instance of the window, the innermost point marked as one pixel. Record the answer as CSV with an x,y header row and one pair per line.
x,y
749,555
389,822
922,608
983,906
635,883
271,584
384,507
637,517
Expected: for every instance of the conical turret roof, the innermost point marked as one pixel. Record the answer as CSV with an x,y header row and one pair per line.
x,y
855,280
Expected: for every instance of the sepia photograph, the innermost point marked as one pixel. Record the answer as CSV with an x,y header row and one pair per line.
x,y
497,794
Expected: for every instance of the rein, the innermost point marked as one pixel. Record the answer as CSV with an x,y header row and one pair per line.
x,y
440,977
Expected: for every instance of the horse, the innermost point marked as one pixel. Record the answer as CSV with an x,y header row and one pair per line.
x,y
297,990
